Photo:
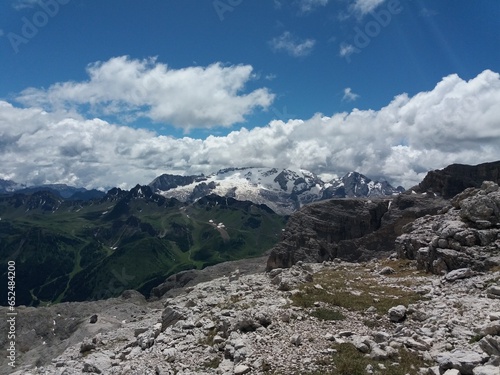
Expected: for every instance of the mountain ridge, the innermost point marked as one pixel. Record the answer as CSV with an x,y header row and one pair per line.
x,y
283,190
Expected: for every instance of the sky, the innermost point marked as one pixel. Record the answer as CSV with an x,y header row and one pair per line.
x,y
99,93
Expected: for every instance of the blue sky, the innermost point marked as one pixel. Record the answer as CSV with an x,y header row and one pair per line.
x,y
212,77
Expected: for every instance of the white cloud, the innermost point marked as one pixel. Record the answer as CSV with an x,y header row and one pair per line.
x,y
349,95
193,97
346,50
292,45
363,7
307,6
456,122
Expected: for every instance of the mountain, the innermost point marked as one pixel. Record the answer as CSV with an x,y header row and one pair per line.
x,y
64,191
69,250
455,178
7,186
283,190
61,190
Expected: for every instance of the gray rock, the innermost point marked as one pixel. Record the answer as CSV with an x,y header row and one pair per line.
x,y
169,317
461,360
387,271
296,339
486,370
492,328
490,345
241,369
397,313
87,367
461,273
493,291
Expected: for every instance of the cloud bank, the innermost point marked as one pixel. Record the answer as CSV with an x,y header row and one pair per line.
x,y
457,121
130,89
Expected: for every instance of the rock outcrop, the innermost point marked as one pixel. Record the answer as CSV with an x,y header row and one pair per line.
x,y
467,235
349,229
455,178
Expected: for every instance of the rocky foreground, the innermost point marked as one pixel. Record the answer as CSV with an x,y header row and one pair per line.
x,y
327,318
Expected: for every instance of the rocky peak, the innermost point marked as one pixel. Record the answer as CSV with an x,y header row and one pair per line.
x,y
169,181
455,178
354,184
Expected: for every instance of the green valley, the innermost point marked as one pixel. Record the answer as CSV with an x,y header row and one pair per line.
x,y
75,250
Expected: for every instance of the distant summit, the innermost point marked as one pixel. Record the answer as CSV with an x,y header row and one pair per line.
x,y
61,190
283,190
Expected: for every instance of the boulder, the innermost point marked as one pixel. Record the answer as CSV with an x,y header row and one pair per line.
x,y
397,313
462,360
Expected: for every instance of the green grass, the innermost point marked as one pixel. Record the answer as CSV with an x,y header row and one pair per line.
x,y
353,289
349,361
327,314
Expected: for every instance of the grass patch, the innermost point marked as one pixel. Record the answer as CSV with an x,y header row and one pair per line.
x,y
349,361
354,289
209,338
475,338
212,363
327,314
403,267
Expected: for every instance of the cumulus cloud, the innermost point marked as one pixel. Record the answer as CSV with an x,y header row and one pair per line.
x,y
457,121
293,45
193,97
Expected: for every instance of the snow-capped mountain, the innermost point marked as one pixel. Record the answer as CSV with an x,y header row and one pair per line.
x,y
283,190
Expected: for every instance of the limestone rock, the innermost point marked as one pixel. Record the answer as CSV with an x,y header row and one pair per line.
x,y
490,345
461,360
486,370
397,313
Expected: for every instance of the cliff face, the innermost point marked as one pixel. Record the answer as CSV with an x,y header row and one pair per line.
x,y
455,178
349,229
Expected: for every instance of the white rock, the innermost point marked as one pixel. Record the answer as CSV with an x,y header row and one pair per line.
x,y
486,370
241,369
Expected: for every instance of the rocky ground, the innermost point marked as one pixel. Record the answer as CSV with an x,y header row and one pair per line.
x,y
328,318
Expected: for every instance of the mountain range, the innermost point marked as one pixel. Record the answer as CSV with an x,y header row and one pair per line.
x,y
283,190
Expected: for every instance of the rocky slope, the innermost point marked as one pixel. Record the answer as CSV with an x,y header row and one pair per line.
x,y
352,229
283,190
466,235
330,318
